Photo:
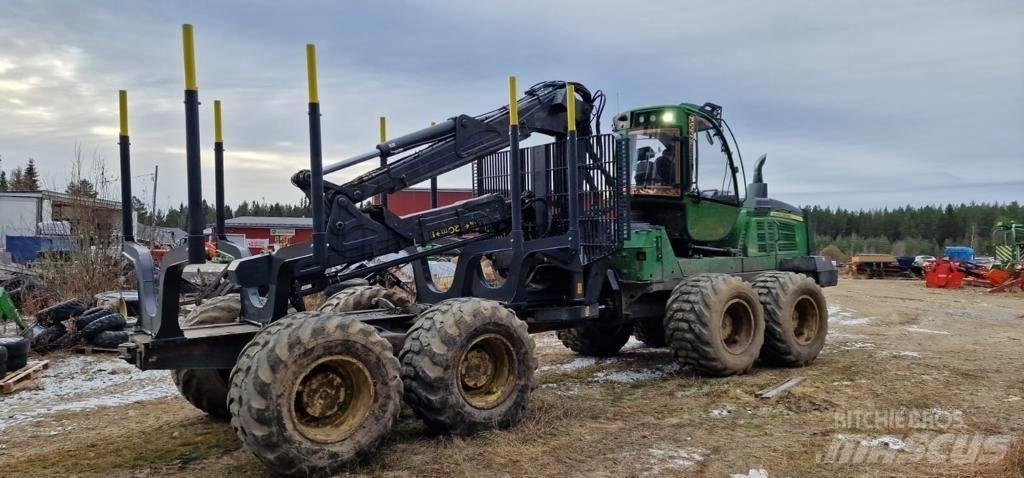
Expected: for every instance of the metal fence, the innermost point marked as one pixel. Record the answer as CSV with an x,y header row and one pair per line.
x,y
602,199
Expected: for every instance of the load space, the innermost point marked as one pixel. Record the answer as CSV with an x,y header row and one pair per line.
x,y
649,230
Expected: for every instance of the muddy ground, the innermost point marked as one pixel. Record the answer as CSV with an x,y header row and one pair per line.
x,y
912,382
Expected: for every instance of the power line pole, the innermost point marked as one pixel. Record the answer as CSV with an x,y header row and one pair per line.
x,y
152,212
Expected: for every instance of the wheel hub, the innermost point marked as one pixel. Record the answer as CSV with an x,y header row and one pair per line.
x,y
737,326
332,399
478,369
322,394
806,320
487,371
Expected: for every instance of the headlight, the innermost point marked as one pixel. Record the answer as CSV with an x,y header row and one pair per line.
x,y
668,117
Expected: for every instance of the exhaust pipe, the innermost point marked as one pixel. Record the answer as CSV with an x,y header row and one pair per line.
x,y
758,189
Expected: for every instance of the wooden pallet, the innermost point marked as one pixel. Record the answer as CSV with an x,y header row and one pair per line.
x,y
89,350
23,378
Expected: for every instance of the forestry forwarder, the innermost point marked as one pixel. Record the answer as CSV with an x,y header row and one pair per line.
x,y
643,231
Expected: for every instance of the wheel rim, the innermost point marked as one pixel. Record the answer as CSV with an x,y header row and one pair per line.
x,y
806,320
486,371
332,398
737,326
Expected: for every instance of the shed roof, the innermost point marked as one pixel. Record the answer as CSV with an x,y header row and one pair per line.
x,y
258,221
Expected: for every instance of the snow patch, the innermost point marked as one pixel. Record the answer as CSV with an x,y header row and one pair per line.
x,y
722,412
844,316
891,442
907,354
753,473
856,345
926,331
546,340
84,382
633,343
630,376
662,459
576,364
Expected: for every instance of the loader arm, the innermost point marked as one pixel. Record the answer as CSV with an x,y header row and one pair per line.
x,y
359,233
457,142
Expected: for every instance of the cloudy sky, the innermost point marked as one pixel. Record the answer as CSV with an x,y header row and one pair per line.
x,y
860,104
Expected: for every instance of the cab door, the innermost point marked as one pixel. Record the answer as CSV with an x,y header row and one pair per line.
x,y
713,201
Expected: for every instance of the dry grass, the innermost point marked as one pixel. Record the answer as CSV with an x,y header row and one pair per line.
x,y
579,425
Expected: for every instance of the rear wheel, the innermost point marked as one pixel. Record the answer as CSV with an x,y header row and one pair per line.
x,y
207,389
796,318
596,340
313,392
467,365
651,332
363,297
715,324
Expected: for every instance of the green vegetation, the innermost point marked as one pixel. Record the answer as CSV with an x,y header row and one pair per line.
x,y
910,230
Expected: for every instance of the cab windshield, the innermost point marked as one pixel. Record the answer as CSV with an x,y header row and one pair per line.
x,y
654,162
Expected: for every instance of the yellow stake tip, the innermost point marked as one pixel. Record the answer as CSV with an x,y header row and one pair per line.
x,y
218,132
122,103
189,53
314,91
513,101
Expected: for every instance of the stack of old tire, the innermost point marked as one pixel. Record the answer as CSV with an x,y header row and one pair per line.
x,y
69,322
13,354
102,327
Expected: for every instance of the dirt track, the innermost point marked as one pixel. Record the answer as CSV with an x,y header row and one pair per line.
x,y
949,360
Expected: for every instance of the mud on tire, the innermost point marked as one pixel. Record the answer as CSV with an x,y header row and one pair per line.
x,y
795,315
362,297
596,340
715,324
467,365
207,389
314,392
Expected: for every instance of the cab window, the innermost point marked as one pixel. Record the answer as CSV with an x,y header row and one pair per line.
x,y
654,162
713,177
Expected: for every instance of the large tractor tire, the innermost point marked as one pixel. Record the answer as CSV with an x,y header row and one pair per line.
x,y
207,389
314,392
467,365
651,332
61,312
17,352
796,318
112,322
715,324
91,315
596,340
363,297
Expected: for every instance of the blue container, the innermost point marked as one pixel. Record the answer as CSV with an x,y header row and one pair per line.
x,y
960,253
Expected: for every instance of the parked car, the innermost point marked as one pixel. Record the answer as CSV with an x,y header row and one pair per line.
x,y
921,261
987,262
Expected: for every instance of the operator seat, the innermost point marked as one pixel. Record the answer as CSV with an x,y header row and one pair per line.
x,y
644,167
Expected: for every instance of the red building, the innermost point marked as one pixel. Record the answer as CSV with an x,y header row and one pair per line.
x,y
412,200
262,233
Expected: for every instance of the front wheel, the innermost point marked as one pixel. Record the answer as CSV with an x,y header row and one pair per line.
x,y
314,392
467,365
796,318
